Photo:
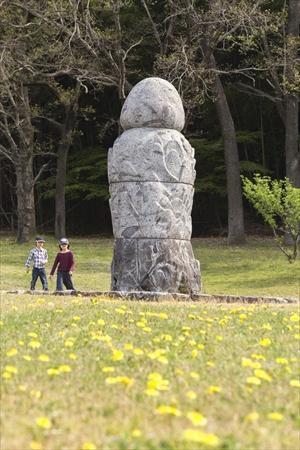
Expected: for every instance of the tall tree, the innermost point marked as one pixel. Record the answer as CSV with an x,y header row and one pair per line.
x,y
17,133
194,59
91,38
292,74
273,41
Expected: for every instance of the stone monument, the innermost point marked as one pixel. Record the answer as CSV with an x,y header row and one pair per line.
x,y
151,176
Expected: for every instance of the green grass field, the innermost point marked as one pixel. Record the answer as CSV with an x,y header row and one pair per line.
x,y
257,268
82,373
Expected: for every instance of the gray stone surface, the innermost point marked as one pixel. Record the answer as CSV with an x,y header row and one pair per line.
x,y
151,175
151,154
159,265
151,209
153,102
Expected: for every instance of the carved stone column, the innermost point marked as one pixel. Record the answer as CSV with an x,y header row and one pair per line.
x,y
151,175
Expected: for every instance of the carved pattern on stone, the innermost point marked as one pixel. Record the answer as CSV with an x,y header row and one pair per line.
x,y
151,210
151,170
151,154
154,265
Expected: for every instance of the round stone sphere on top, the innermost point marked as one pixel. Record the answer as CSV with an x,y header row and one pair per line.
x,y
154,103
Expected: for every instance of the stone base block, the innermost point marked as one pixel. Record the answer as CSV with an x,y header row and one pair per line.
x,y
166,265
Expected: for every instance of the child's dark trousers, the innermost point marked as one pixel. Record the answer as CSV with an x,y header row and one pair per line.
x,y
39,273
64,278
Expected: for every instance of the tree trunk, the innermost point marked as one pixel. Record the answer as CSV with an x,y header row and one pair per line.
x,y
25,199
62,157
61,172
292,155
236,232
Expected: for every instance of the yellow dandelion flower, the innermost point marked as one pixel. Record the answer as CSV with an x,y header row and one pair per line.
x,y
44,422
295,383
197,418
136,433
297,336
207,439
246,362
195,375
128,346
282,360
252,417
265,342
258,356
120,379
117,355
191,395
213,390
64,368
43,358
276,416
160,385
294,318
6,375
138,351
35,445
27,357
12,352
72,356
32,334
11,369
151,392
253,380
108,369
168,409
69,342
100,322
53,371
126,380
76,318
167,337
262,374
194,353
34,344
88,446
163,316
210,364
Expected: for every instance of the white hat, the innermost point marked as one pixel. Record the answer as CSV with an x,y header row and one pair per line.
x,y
64,241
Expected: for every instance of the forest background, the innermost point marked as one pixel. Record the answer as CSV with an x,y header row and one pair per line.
x,y
66,67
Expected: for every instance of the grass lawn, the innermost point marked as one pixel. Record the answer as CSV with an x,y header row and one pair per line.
x,y
82,373
257,268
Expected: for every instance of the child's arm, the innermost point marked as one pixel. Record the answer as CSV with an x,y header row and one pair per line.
x,y
28,261
54,265
46,257
72,263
